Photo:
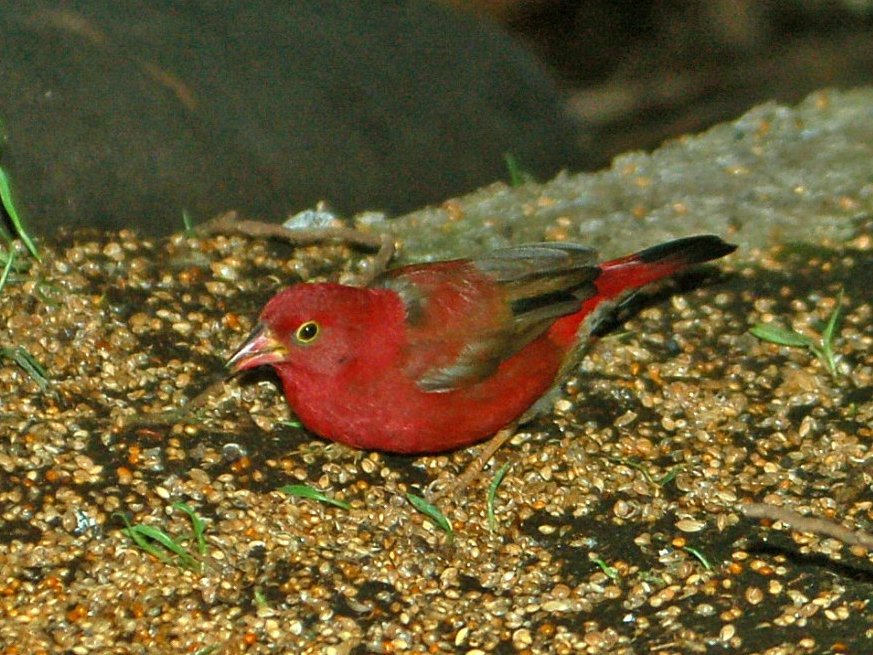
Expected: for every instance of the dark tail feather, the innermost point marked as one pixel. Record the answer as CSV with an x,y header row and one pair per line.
x,y
687,251
659,261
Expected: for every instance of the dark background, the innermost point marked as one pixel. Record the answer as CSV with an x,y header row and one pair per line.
x,y
640,72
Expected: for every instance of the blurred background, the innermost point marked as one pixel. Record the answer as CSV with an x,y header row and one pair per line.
x,y
129,114
638,72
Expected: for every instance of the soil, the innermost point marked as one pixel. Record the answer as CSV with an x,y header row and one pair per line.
x,y
618,527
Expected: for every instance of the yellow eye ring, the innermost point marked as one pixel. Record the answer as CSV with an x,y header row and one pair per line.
x,y
307,332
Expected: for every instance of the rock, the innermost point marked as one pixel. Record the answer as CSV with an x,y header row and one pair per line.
x,y
777,174
125,114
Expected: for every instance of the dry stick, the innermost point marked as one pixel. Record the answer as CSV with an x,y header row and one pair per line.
x,y
812,524
197,401
228,223
172,415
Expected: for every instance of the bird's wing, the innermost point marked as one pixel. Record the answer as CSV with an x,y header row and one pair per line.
x,y
464,317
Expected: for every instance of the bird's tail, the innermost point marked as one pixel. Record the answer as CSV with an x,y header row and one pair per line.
x,y
618,278
652,264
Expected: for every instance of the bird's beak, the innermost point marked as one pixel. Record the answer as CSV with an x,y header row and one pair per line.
x,y
261,348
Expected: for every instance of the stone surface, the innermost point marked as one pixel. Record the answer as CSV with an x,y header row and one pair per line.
x,y
776,174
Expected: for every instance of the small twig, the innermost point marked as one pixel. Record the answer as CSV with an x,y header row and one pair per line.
x,y
812,524
381,260
170,416
229,223
200,399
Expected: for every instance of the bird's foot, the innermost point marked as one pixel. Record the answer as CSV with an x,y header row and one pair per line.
x,y
474,468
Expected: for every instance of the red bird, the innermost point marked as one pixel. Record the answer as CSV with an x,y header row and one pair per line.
x,y
433,357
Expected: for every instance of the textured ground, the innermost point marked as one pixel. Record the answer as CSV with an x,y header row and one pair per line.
x,y
618,525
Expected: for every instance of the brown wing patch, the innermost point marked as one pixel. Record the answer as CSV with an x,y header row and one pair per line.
x,y
542,282
465,317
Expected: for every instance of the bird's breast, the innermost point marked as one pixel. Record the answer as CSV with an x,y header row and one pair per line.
x,y
386,410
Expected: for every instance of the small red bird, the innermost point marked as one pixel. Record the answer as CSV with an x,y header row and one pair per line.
x,y
433,357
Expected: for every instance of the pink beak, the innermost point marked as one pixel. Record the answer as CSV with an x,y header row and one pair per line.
x,y
260,349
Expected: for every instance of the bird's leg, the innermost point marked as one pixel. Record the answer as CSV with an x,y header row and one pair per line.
x,y
474,468
230,223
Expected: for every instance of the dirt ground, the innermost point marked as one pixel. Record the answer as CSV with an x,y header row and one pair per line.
x,y
618,528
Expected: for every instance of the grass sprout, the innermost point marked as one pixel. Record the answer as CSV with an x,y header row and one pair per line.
x,y
610,571
432,512
517,174
822,348
305,491
7,200
198,526
492,492
653,578
699,556
26,362
166,548
188,223
260,599
10,260
665,479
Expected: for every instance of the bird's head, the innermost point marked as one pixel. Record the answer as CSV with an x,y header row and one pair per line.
x,y
317,329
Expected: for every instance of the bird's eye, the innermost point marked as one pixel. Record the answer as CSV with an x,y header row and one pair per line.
x,y
307,332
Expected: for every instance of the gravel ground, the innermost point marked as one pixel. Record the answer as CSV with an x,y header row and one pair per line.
x,y
618,526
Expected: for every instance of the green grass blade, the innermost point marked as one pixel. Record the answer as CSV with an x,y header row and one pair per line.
x,y
159,536
781,336
260,599
10,259
669,476
30,366
828,336
187,222
635,465
145,545
139,540
305,491
185,559
699,556
148,538
8,201
516,178
492,492
198,526
517,174
610,571
432,512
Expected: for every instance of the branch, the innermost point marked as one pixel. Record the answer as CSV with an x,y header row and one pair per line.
x,y
812,524
229,223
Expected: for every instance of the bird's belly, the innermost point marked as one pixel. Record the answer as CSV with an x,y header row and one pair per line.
x,y
393,414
